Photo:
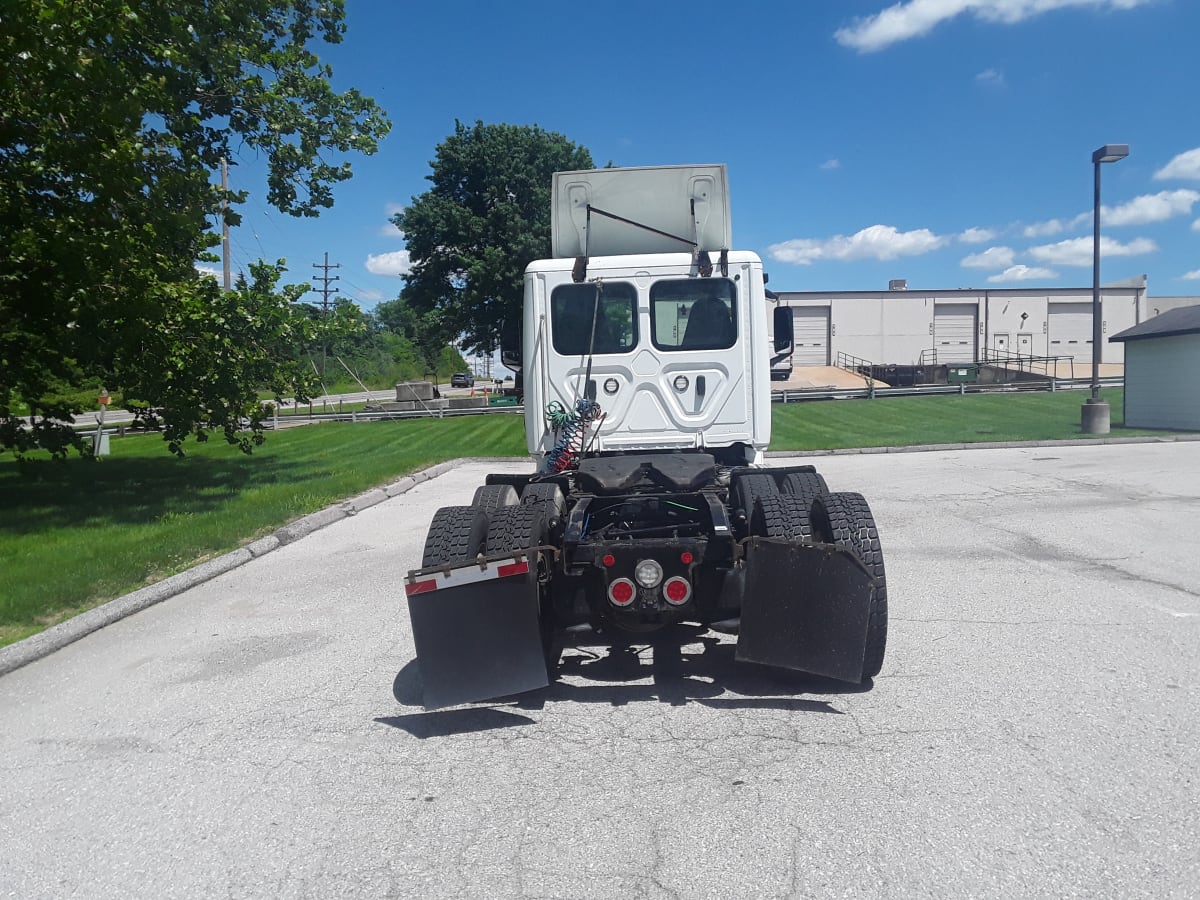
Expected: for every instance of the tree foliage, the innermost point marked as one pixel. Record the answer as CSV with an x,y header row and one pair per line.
x,y
255,338
485,219
429,332
114,116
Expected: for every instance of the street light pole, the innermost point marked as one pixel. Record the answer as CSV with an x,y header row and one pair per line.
x,y
1095,417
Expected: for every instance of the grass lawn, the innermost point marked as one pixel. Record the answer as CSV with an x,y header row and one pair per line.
x,y
75,533
939,419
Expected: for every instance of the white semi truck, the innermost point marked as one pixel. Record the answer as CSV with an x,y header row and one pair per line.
x,y
646,367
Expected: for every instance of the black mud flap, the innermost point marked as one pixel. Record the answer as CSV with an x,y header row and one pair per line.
x,y
805,607
477,633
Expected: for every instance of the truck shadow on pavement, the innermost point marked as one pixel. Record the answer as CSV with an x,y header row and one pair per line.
x,y
677,669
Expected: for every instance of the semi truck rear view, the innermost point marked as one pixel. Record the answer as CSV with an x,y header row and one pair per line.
x,y
646,363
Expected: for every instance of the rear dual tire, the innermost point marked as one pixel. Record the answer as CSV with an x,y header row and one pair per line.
x,y
456,535
844,519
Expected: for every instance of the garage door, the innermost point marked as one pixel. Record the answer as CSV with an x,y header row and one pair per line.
x,y
1069,327
954,326
811,324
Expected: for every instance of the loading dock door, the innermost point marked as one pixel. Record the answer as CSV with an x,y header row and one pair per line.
x,y
954,327
1069,327
811,329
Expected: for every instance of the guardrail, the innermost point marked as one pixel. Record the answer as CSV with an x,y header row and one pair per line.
x,y
800,395
363,415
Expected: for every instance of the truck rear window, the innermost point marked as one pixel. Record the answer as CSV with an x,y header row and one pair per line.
x,y
571,308
693,314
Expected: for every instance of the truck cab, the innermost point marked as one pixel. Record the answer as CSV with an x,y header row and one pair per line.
x,y
673,359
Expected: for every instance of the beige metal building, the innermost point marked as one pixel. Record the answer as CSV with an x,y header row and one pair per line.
x,y
903,327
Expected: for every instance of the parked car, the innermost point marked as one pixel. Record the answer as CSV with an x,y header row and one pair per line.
x,y
462,379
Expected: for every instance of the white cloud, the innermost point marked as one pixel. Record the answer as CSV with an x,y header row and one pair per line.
x,y
915,18
876,242
369,295
390,230
209,271
1185,165
1045,229
1150,208
831,164
1023,273
1196,225
395,263
991,77
977,235
1193,275
1078,251
991,258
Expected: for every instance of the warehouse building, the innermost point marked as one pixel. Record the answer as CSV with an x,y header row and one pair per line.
x,y
909,327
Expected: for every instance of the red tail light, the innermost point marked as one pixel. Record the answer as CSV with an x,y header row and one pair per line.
x,y
621,592
677,591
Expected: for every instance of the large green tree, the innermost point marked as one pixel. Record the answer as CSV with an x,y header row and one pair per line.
x,y
428,332
114,117
487,216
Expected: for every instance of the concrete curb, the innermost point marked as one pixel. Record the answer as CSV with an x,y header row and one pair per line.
x,y
37,646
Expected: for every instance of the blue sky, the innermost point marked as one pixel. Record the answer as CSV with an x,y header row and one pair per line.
x,y
947,142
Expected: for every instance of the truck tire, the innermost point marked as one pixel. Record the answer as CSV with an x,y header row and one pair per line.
x,y
845,520
518,528
456,535
807,486
490,497
748,488
544,492
781,516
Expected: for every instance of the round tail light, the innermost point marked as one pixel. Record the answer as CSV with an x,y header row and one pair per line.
x,y
648,573
621,592
677,591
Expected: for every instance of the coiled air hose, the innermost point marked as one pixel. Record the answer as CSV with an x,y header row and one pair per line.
x,y
570,429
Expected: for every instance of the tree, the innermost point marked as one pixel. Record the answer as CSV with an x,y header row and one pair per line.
x,y
115,115
428,332
205,360
485,219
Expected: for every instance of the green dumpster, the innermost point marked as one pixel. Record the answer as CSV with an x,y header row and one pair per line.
x,y
962,373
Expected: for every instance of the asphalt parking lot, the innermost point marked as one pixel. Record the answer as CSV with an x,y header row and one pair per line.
x,y
1033,733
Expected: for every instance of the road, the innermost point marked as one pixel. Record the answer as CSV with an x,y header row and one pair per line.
x,y
1033,732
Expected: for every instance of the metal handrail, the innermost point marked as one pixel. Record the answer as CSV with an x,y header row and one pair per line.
x,y
856,365
1025,363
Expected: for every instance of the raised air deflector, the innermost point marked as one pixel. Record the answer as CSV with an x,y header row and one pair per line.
x,y
655,209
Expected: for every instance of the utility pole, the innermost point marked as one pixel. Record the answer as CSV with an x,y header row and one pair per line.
x,y
325,278
227,281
